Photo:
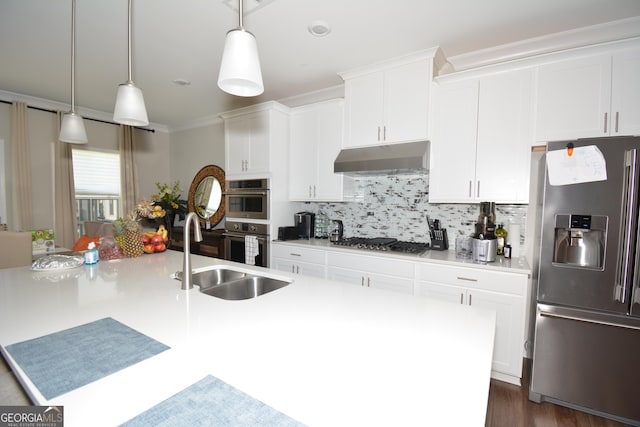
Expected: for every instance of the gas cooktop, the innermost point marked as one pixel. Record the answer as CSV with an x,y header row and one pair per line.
x,y
383,244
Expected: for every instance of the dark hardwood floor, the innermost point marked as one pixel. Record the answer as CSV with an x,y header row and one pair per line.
x,y
508,406
11,392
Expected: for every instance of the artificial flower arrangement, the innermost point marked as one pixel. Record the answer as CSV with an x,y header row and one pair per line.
x,y
166,202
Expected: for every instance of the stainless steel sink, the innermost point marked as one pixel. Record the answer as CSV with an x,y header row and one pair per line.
x,y
229,284
218,276
246,288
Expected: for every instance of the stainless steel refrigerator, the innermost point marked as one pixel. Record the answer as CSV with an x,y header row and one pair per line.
x,y
587,330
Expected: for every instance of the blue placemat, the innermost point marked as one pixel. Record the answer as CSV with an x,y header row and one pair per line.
x,y
212,403
65,360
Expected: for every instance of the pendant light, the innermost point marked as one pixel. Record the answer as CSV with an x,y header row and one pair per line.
x,y
72,128
130,109
240,72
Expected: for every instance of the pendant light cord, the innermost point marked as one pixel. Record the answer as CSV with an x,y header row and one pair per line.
x,y
73,56
240,13
129,44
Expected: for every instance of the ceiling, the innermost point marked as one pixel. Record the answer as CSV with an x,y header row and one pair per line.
x,y
183,39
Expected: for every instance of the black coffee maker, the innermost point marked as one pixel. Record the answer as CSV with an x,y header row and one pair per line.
x,y
305,222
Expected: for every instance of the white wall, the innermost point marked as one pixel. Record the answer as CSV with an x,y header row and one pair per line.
x,y
192,149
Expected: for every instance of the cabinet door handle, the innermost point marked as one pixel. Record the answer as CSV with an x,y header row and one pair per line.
x,y
470,299
293,268
384,133
362,281
461,297
368,282
478,189
468,279
294,254
470,184
297,269
617,120
314,191
378,133
605,122
309,191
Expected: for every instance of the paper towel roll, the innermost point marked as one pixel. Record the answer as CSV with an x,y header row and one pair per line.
x,y
513,237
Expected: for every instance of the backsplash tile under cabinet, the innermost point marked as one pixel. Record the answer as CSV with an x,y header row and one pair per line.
x,y
397,206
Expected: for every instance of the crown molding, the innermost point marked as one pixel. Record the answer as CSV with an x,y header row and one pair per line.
x,y
580,37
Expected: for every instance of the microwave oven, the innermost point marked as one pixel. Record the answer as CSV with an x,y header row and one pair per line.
x,y
247,198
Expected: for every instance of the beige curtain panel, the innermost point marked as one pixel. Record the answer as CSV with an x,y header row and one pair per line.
x,y
21,159
65,225
128,173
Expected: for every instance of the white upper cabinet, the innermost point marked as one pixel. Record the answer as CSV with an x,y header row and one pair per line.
x,y
256,139
247,146
389,103
590,96
316,133
480,149
625,94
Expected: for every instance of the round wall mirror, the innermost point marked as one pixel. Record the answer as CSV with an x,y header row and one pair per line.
x,y
205,196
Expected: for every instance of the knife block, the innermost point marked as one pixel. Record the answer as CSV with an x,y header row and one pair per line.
x,y
439,240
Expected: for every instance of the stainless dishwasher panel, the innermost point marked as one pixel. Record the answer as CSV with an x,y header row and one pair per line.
x,y
589,359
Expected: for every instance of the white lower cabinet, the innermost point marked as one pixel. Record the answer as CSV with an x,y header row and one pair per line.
x,y
299,260
505,293
370,271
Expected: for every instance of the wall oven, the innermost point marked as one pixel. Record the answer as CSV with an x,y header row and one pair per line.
x,y
247,198
234,240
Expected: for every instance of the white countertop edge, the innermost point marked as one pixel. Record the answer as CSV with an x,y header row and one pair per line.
x,y
447,257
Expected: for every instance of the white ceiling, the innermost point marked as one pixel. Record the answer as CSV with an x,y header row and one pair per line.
x,y
183,39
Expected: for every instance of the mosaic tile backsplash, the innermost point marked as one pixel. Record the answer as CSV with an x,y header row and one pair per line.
x,y
397,206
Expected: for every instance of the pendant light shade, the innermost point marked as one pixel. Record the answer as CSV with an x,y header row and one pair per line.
x,y
72,127
240,72
130,109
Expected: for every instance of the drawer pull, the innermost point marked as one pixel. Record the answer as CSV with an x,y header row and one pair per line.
x,y
292,254
468,279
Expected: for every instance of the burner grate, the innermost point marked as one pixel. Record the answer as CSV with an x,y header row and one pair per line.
x,y
383,244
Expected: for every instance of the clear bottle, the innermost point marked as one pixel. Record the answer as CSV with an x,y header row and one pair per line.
x,y
501,234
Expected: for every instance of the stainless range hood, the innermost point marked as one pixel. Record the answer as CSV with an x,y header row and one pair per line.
x,y
408,157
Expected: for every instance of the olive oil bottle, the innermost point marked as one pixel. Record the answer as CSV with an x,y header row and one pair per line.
x,y
501,234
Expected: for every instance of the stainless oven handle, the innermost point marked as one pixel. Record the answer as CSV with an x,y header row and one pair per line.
x,y
242,235
244,193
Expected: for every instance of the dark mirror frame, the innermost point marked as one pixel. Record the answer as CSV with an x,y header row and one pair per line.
x,y
207,171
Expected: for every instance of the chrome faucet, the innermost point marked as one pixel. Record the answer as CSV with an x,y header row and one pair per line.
x,y
187,274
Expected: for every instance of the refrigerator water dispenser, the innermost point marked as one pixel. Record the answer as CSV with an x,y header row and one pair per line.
x,y
580,241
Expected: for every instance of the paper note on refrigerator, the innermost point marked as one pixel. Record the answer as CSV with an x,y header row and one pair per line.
x,y
586,164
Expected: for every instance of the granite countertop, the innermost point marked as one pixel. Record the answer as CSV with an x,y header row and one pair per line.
x,y
322,352
519,265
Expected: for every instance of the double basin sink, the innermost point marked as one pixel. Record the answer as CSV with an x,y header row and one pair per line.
x,y
231,284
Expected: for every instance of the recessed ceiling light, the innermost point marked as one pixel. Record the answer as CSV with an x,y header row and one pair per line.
x,y
319,28
181,82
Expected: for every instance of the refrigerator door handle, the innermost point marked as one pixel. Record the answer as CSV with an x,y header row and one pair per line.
x,y
625,255
579,316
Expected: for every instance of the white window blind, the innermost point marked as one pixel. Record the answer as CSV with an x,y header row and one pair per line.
x,y
96,173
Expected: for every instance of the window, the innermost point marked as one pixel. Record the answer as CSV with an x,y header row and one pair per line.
x,y
97,186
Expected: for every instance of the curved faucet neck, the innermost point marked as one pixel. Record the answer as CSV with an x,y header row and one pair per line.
x,y
187,273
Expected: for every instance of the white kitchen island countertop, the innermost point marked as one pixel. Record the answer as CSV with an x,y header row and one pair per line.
x,y
324,353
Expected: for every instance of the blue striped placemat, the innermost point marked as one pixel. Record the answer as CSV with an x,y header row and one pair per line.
x,y
212,403
68,359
